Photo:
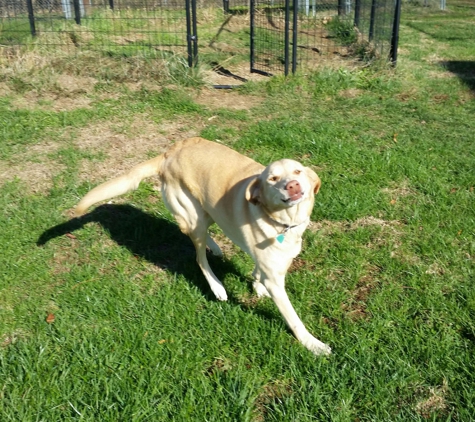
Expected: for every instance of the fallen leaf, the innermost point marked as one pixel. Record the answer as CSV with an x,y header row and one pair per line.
x,y
50,318
162,341
395,138
392,202
71,236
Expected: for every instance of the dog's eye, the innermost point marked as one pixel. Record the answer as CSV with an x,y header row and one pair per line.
x,y
273,178
297,171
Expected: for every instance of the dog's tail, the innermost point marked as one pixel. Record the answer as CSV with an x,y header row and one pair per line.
x,y
119,185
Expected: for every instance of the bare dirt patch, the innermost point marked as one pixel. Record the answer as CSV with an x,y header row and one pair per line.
x,y
399,190
350,93
123,145
331,226
63,93
356,306
126,145
230,75
33,167
50,102
272,394
223,98
435,403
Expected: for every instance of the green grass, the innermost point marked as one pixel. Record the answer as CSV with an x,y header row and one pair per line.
x,y
386,275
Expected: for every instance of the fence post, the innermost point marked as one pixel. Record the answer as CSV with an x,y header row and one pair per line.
x,y
286,37
371,20
226,6
188,33
395,33
77,12
191,38
295,35
195,32
111,4
252,5
357,13
31,17
341,7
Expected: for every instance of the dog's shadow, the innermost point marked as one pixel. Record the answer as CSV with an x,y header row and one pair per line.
x,y
155,239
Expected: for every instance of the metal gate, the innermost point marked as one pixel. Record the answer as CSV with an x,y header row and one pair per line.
x,y
273,44
288,33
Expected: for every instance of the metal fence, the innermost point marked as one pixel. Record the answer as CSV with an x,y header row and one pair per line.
x,y
439,4
281,34
287,33
119,27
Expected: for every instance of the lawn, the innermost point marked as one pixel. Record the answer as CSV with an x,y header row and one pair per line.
x,y
108,318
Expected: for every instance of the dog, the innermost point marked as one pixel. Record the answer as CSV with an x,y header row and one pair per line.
x,y
263,210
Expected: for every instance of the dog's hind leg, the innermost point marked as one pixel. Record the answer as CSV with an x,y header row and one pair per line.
x,y
213,246
194,222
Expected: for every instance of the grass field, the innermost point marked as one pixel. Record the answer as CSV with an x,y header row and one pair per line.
x,y
109,318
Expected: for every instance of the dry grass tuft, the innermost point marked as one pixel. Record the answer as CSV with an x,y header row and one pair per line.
x,y
436,402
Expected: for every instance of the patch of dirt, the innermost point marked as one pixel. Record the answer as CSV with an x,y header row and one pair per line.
x,y
225,98
356,306
219,365
350,93
328,226
123,145
435,403
33,167
75,84
126,146
5,91
11,338
435,269
65,92
399,190
271,394
299,264
224,75
33,101
227,247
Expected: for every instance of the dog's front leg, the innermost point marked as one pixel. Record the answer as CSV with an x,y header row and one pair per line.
x,y
259,288
276,289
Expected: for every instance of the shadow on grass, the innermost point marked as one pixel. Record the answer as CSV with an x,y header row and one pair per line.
x,y
157,240
463,69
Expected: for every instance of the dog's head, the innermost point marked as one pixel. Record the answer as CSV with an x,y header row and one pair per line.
x,y
283,184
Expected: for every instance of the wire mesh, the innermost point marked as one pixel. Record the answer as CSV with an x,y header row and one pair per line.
x,y
116,27
318,31
268,36
284,33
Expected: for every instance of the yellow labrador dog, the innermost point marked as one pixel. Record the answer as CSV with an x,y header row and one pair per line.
x,y
263,210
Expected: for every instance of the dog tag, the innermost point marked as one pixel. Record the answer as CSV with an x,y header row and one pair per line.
x,y
280,238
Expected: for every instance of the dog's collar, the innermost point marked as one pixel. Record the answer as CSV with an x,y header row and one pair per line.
x,y
286,227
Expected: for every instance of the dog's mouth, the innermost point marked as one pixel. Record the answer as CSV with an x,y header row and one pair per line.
x,y
295,197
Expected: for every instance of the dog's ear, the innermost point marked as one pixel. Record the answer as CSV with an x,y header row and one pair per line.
x,y
314,179
253,191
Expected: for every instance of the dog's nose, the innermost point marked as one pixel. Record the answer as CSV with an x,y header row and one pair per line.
x,y
293,187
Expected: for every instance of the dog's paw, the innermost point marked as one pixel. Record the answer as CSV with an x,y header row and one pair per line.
x,y
260,289
317,347
220,292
